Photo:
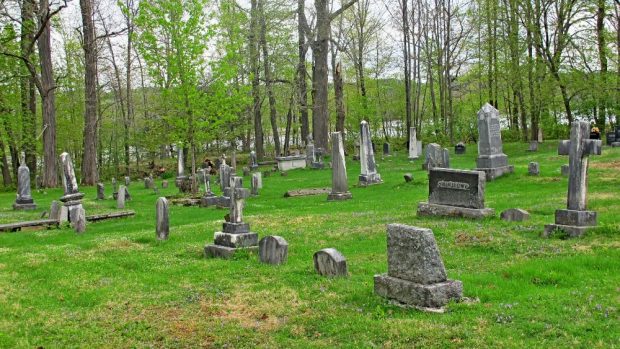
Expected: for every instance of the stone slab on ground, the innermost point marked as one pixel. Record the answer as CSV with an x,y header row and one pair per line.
x,y
515,215
307,192
426,209
433,295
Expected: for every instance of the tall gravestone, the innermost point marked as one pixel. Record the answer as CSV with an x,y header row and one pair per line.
x,y
415,146
162,227
455,193
254,183
24,200
491,158
236,233
233,161
209,198
576,219
309,152
120,199
436,157
253,161
100,191
340,186
72,199
182,181
386,149
369,175
416,274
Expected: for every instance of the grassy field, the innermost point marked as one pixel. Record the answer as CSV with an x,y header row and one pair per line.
x,y
117,286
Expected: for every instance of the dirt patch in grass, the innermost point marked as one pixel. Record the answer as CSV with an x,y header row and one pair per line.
x,y
613,164
122,244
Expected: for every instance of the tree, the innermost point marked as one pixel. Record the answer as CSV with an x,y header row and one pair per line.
x,y
89,156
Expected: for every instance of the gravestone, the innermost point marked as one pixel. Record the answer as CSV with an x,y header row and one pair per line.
x,y
330,262
386,149
309,152
233,161
100,191
253,161
533,146
416,274
254,184
259,177
515,215
533,169
162,225
24,200
340,186
369,175
576,219
127,181
120,200
459,148
246,171
114,188
209,198
225,172
408,177
436,157
455,193
182,181
79,221
491,158
164,184
127,195
317,163
611,138
236,233
356,146
273,250
72,198
414,151
58,212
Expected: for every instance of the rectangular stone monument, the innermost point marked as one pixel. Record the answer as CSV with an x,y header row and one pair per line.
x,y
436,157
533,146
286,163
386,149
162,225
455,193
576,219
491,159
416,274
414,152
369,175
340,186
100,191
24,200
236,233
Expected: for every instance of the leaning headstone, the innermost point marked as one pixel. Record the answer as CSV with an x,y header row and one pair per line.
x,y
414,152
254,183
100,191
491,158
564,170
369,175
515,215
576,219
330,262
408,177
386,149
72,198
24,200
127,195
455,193
340,186
273,250
236,233
533,169
120,200
459,148
533,146
253,161
162,227
416,274
436,157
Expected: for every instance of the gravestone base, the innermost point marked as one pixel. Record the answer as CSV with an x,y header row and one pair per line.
x,y
339,196
496,172
411,293
207,201
222,202
240,240
366,180
236,228
572,222
217,251
572,230
25,205
317,165
426,209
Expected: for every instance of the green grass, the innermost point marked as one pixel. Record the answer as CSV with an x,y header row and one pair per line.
x,y
117,286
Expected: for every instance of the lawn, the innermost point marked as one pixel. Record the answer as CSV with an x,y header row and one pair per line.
x,y
117,286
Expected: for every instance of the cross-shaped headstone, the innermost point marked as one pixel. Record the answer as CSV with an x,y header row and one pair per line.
x,y
237,194
578,149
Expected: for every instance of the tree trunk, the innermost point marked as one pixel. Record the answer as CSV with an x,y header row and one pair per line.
x,y
320,112
255,68
268,82
289,124
48,100
600,34
302,89
407,65
89,159
6,172
27,87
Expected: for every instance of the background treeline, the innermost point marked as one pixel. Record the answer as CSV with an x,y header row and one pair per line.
x,y
120,84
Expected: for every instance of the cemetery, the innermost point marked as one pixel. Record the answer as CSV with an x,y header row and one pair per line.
x,y
309,174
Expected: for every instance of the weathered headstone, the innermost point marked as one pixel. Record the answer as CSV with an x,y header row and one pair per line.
x,y
414,152
459,148
455,193
79,220
246,172
369,175
225,173
515,215
416,274
236,233
309,152
386,149
330,262
533,169
254,183
340,186
114,188
162,227
127,181
436,157
273,250
533,146
73,198
120,200
253,161
100,191
164,184
317,163
491,158
182,181
56,210
576,219
24,200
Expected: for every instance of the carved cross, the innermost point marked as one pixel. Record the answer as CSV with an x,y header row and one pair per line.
x,y
578,149
237,194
